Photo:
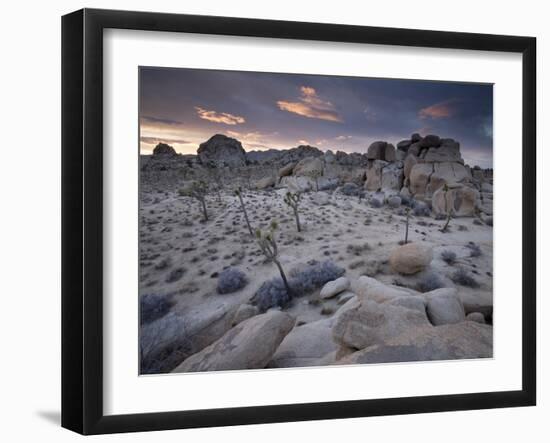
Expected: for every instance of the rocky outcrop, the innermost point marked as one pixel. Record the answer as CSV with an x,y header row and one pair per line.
x,y
164,149
249,345
449,342
220,151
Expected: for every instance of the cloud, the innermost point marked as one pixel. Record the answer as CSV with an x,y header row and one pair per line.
x,y
219,117
156,140
438,110
343,138
163,121
310,105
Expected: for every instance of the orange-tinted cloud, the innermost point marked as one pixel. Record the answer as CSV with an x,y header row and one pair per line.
x,y
310,105
439,110
219,117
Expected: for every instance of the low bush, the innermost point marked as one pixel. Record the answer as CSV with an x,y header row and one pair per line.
x,y
475,250
175,275
152,307
461,277
231,280
163,344
271,294
314,276
429,282
420,209
448,257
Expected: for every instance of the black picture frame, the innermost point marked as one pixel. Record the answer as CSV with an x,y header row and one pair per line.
x,y
82,218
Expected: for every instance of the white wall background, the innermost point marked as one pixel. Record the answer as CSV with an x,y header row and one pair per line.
x,y
30,219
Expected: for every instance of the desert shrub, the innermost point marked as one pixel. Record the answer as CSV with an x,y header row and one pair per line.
x,y
429,282
475,250
152,307
375,202
358,250
314,276
461,277
163,344
271,294
406,200
231,280
448,257
175,275
350,189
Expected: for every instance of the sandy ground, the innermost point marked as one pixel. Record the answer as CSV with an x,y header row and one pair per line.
x,y
181,255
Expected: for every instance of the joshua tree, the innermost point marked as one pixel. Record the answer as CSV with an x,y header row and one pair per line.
x,y
449,210
268,245
408,212
198,191
293,200
238,193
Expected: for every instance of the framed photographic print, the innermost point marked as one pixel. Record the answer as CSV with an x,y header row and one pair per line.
x,y
269,221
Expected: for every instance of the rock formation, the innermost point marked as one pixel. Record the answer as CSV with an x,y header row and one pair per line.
x,y
220,150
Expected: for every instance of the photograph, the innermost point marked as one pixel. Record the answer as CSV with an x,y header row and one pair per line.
x,y
296,220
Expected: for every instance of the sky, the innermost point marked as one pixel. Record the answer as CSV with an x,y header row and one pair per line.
x,y
185,107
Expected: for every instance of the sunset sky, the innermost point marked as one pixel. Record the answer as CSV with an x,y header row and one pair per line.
x,y
185,107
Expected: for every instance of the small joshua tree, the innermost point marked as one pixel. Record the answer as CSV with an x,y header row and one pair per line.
x,y
268,245
198,191
293,200
449,210
238,193
408,212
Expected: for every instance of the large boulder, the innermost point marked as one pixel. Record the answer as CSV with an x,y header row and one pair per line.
x,y
449,152
457,199
309,166
419,177
384,175
167,341
392,176
287,169
297,184
377,151
220,151
449,342
335,287
411,258
266,182
249,345
373,323
444,307
372,289
305,345
446,172
410,161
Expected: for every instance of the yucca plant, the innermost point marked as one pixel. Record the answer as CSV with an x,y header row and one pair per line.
x,y
239,194
268,245
293,200
197,190
449,210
